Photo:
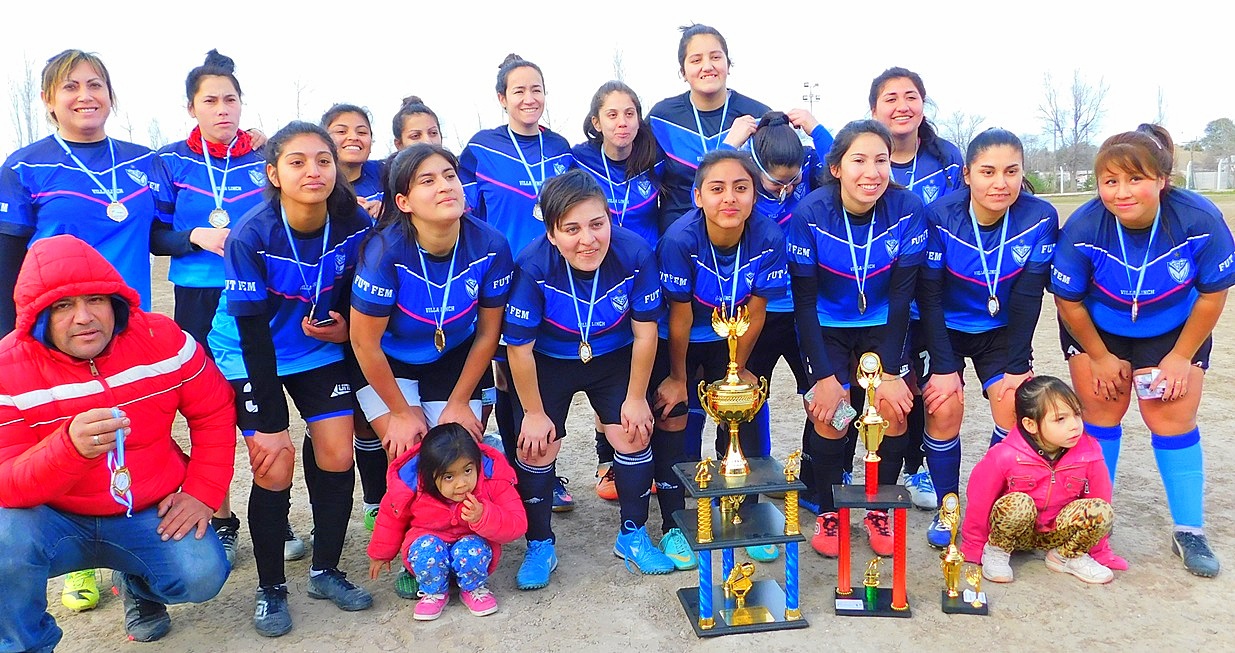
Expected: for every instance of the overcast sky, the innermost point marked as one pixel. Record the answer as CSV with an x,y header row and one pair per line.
x,y
985,58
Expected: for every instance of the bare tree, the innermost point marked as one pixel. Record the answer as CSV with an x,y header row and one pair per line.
x,y
1072,120
1160,117
157,139
26,105
301,88
619,70
960,128
127,126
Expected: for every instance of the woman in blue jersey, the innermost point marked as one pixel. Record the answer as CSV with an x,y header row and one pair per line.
x,y
582,318
719,256
1140,277
415,122
854,250
690,125
352,131
201,185
280,326
989,252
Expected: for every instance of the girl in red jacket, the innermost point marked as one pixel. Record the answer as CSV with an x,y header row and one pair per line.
x,y
1044,487
449,506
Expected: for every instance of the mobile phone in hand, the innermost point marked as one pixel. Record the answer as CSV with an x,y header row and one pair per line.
x,y
330,321
843,416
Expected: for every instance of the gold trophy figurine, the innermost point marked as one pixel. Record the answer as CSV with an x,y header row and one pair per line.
x,y
870,580
951,560
973,574
737,586
732,400
871,425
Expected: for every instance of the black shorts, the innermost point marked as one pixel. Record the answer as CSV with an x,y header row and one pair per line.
x,y
604,380
318,394
778,339
1140,352
427,385
843,346
987,350
194,312
705,361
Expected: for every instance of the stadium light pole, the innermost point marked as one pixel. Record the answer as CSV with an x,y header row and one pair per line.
x,y
811,96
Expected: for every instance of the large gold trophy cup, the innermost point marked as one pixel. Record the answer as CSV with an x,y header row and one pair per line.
x,y
732,400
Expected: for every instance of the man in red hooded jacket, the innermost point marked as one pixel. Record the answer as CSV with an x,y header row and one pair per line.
x,y
89,473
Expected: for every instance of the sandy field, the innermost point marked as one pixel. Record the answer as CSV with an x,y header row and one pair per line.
x,y
593,603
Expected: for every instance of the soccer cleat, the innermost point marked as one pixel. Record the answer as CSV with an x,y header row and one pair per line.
x,y
1085,567
763,552
333,584
826,541
430,606
922,490
81,591
293,546
370,518
675,545
879,532
562,501
1194,550
480,601
228,531
406,586
938,534
144,621
636,548
606,485
538,563
996,564
271,616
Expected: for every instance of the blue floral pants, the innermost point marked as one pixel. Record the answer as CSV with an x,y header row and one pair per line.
x,y
432,560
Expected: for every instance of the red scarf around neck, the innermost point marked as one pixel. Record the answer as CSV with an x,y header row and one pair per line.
x,y
242,145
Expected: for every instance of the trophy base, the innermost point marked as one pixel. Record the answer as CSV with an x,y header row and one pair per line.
x,y
764,611
853,605
959,605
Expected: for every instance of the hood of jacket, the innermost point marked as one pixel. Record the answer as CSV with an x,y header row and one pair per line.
x,y
65,266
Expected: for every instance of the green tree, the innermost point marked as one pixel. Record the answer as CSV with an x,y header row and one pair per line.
x,y
1219,138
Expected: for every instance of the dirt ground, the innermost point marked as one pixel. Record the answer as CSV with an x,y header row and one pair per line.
x,y
593,603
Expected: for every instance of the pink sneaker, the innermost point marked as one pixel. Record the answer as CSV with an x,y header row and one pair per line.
x,y
480,601
430,606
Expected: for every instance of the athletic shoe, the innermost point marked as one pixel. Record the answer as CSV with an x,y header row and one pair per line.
x,y
430,606
538,563
228,530
879,532
293,546
562,501
370,518
144,621
271,617
636,548
1194,550
938,534
996,564
675,545
480,601
1085,567
846,478
606,483
826,541
333,584
763,553
922,490
406,586
81,591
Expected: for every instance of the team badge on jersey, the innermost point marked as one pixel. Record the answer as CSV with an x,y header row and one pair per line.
x,y
644,187
558,168
930,192
750,278
257,177
1179,269
620,301
1020,253
138,176
340,262
893,245
473,288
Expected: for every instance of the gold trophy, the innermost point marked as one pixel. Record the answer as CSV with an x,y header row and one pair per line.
x,y
737,586
732,400
871,425
870,580
973,574
950,560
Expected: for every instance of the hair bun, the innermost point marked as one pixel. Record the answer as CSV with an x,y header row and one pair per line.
x,y
219,61
510,58
412,99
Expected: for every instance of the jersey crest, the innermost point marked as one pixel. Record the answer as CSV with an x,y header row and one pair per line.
x,y
1020,253
930,192
1179,269
644,187
473,288
138,176
257,177
893,246
559,168
340,262
620,301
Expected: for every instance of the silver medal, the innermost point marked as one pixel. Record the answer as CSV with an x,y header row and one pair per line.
x,y
862,302
219,218
117,212
585,352
992,306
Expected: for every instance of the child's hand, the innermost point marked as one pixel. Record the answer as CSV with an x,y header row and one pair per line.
x,y
472,510
375,567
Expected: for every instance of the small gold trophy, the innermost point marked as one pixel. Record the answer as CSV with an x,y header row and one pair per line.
x,y
973,574
732,400
737,586
870,581
871,425
951,559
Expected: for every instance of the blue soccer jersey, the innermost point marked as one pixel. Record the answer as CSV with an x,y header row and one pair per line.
x,y
1191,252
551,302
185,194
892,236
693,270
502,182
927,176
44,192
1027,233
634,202
396,279
686,135
264,276
369,185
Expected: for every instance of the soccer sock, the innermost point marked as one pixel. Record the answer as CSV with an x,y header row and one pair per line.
x,y
268,526
536,489
827,458
857,399
504,415
604,450
807,475
1109,438
371,464
998,434
667,450
632,474
308,464
696,419
891,459
915,430
331,511
1183,475
944,459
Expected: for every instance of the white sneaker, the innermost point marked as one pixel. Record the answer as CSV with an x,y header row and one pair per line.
x,y
1084,567
922,490
996,564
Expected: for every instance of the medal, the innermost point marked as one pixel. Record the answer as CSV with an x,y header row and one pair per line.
x,y
613,198
1134,310
439,320
859,275
1140,280
121,482
291,243
439,339
219,218
585,328
992,305
117,212
703,140
861,302
989,277
536,212
585,352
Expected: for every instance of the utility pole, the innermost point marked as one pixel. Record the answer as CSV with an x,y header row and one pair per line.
x,y
811,95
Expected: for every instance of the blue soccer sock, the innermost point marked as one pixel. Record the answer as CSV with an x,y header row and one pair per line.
x,y
536,489
943,457
998,434
1109,438
632,474
1183,475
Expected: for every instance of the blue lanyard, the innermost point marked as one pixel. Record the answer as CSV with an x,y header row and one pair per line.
x,y
440,319
121,480
699,123
613,191
291,243
992,304
737,264
859,275
1140,279
585,328
526,166
113,194
218,192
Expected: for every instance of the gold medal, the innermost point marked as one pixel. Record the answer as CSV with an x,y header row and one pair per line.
x,y
219,218
121,482
861,302
117,212
585,352
992,306
1134,310
439,339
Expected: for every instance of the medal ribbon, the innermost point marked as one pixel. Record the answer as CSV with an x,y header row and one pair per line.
x,y
1140,280
859,276
613,191
526,166
585,330
440,319
737,263
115,461
991,284
113,194
703,141
291,242
218,191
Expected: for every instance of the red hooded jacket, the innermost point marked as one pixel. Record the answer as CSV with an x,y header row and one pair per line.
x,y
407,511
150,370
